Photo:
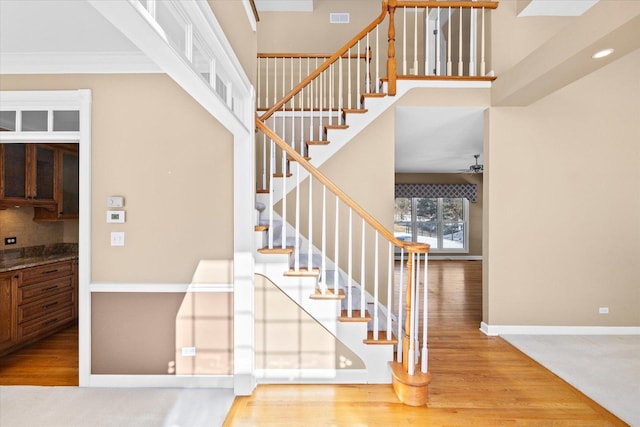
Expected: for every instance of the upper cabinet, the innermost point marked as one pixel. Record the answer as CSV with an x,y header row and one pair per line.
x,y
28,173
44,176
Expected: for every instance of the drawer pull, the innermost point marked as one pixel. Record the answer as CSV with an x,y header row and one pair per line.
x,y
50,304
49,271
48,322
50,288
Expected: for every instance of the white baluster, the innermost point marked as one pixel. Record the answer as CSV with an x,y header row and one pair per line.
x,y
350,265
362,272
473,34
259,85
293,108
438,48
368,66
376,320
482,63
358,74
310,108
460,66
284,200
321,100
426,41
449,66
310,237
266,84
425,316
275,80
411,356
349,98
336,249
389,291
264,161
377,53
323,272
272,163
400,302
331,92
340,94
404,42
414,304
296,245
415,41
284,74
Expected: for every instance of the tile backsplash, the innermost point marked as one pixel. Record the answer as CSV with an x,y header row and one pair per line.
x,y
19,222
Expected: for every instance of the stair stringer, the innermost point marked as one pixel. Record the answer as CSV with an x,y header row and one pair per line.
x,y
358,122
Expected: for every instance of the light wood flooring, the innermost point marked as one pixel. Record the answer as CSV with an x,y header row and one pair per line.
x,y
477,380
49,362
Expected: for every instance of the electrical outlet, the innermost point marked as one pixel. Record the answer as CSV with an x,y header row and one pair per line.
x,y
188,351
10,240
603,310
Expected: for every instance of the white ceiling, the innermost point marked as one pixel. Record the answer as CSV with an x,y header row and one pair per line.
x,y
438,139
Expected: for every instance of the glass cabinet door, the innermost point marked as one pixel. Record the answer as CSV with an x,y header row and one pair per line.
x,y
70,185
45,173
14,175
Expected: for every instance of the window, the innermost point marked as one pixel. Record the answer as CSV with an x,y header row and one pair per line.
x,y
441,222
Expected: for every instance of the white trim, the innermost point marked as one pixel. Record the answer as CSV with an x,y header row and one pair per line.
x,y
76,63
312,376
252,18
158,381
497,330
160,287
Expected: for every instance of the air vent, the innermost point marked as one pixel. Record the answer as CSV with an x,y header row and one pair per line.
x,y
339,18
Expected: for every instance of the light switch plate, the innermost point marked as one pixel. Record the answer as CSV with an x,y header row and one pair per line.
x,y
117,238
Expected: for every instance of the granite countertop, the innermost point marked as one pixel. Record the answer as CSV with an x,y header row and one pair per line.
x,y
36,255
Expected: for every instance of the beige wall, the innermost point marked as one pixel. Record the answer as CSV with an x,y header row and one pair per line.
x,y
307,32
564,237
173,163
233,19
288,338
475,209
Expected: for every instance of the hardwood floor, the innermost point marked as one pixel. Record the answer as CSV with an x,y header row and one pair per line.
x,y
477,380
49,362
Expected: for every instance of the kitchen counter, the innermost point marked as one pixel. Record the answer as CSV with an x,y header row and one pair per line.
x,y
34,256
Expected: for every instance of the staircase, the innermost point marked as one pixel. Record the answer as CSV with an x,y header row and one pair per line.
x,y
319,247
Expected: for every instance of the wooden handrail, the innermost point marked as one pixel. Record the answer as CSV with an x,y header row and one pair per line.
x,y
327,63
254,9
408,246
308,55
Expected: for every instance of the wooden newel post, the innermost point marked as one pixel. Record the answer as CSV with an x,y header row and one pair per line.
x,y
391,57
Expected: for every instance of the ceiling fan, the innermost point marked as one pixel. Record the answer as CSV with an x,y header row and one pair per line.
x,y
475,168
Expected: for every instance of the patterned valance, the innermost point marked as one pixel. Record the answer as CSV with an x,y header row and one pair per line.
x,y
467,191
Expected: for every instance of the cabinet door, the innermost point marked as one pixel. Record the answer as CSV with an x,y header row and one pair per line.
x,y
7,311
14,171
69,201
45,172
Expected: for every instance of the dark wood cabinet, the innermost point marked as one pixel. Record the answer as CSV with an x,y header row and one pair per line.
x,y
8,328
66,189
36,302
28,175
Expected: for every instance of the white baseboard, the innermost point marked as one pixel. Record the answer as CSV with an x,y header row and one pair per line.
x,y
159,381
455,257
311,376
497,330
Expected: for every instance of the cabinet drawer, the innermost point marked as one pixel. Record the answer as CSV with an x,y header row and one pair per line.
x,y
45,324
44,306
27,294
46,272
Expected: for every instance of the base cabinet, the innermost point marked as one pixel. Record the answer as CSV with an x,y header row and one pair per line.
x,y
36,302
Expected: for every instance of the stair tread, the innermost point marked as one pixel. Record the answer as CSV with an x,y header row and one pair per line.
x,y
262,191
328,295
355,316
303,272
336,127
317,142
291,159
261,227
382,338
280,175
371,95
276,250
354,111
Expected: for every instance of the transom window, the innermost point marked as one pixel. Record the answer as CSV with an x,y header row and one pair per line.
x,y
441,222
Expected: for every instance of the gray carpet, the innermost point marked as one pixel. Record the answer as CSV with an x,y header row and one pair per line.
x,y
109,407
604,367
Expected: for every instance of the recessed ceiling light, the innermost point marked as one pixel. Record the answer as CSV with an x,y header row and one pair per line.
x,y
602,53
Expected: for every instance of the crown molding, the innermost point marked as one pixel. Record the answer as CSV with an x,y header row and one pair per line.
x,y
76,63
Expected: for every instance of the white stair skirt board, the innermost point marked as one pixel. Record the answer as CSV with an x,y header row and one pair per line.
x,y
497,330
